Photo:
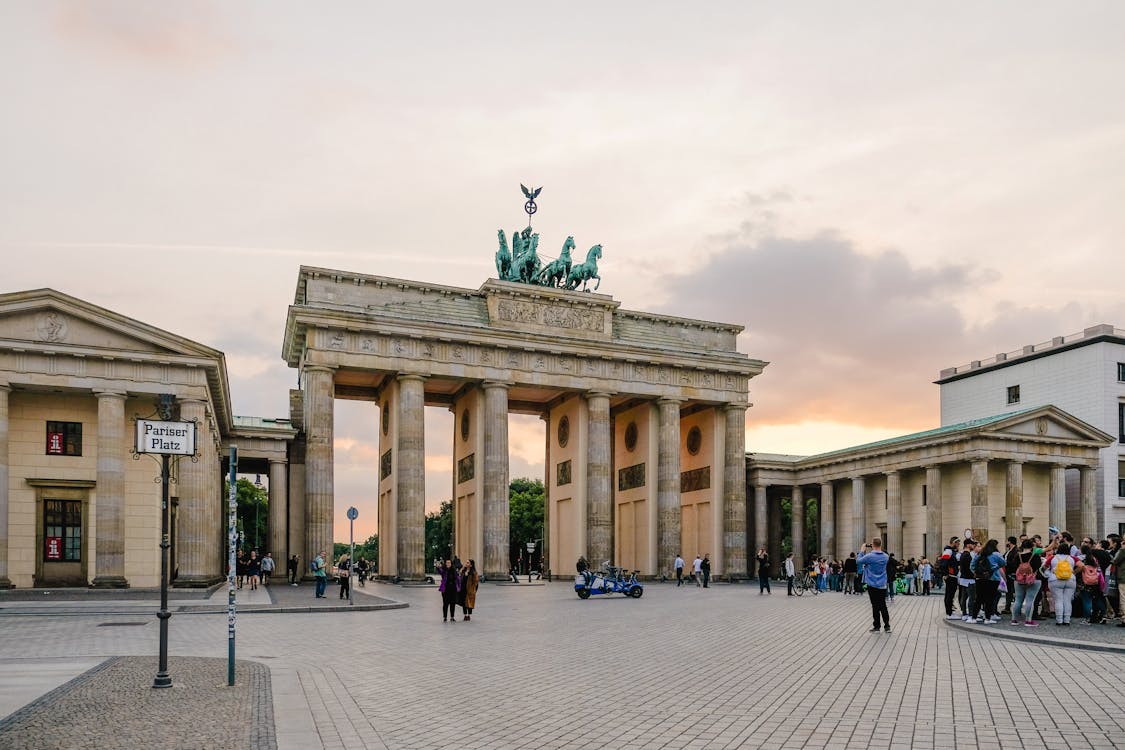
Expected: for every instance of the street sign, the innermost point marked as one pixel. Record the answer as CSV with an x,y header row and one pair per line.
x,y
166,438
352,514
531,546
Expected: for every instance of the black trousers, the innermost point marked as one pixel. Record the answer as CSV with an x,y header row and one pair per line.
x,y
878,607
986,599
763,582
448,608
679,576
950,593
789,581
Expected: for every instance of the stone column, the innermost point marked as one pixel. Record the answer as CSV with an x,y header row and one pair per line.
x,y
859,513
933,511
734,494
978,500
797,525
497,550
761,519
5,581
668,533
893,542
279,511
110,501
1056,514
410,478
599,494
545,549
776,532
1089,500
195,516
1013,500
320,391
827,520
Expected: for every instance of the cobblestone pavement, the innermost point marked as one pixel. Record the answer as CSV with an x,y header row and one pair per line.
x,y
113,706
689,667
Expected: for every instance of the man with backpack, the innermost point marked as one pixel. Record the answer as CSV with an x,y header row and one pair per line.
x,y
320,574
1061,568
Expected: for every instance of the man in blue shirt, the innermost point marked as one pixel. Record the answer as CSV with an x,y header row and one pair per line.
x,y
874,562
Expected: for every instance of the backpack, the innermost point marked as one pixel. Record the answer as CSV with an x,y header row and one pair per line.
x,y
1025,574
984,569
1063,569
1090,575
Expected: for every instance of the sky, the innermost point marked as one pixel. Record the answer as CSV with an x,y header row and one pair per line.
x,y
875,190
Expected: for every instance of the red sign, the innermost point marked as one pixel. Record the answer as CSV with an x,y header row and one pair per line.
x,y
54,548
55,443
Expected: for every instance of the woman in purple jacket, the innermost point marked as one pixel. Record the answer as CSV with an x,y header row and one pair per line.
x,y
450,588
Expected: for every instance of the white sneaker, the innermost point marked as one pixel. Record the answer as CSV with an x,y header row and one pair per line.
x,y
954,617
987,622
996,618
980,620
966,618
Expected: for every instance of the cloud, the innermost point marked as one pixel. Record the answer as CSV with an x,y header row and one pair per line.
x,y
854,337
169,34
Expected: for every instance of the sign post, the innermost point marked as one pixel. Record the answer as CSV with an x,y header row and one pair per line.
x,y
232,544
166,439
352,515
530,552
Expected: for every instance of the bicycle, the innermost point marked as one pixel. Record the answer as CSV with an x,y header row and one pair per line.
x,y
805,582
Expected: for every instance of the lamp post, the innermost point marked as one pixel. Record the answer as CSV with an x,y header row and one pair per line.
x,y
257,507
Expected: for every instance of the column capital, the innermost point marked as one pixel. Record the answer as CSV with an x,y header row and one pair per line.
x,y
599,394
191,400
5,386
1016,461
488,384
110,394
318,368
891,473
669,400
736,406
409,377
282,461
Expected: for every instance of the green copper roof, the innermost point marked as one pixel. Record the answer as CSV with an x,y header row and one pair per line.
x,y
938,432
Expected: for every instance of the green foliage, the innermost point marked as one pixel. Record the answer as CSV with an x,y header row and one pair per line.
x,y
252,515
526,499
439,534
368,550
812,539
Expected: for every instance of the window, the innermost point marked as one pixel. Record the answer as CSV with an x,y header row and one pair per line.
x,y
925,543
924,499
64,438
1121,422
886,499
1121,486
1013,394
62,530
1121,372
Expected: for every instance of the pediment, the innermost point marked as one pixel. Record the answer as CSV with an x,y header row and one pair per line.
x,y
1049,423
46,318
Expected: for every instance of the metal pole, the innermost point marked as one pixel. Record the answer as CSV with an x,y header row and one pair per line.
x,y
232,543
163,679
351,557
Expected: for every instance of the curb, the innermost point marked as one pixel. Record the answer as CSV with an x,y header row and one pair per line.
x,y
209,610
996,632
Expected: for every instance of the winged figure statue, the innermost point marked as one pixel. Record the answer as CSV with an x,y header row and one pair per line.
x,y
530,194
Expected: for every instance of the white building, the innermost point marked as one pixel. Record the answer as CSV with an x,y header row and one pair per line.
x,y
1083,374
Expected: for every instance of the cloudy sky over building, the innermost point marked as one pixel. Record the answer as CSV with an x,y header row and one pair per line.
x,y
875,190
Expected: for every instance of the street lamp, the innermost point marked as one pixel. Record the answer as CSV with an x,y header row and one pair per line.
x,y
257,506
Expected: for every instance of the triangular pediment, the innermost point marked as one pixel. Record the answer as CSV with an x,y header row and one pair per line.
x,y
47,318
1047,422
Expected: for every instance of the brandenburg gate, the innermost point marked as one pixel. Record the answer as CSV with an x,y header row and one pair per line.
x,y
645,415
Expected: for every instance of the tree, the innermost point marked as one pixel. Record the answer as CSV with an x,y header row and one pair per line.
x,y
368,549
252,515
439,534
525,518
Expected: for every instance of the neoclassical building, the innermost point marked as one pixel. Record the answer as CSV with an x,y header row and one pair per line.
x,y
999,476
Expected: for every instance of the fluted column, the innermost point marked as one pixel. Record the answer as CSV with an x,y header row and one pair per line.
x,y
410,477
1013,500
195,519
933,511
497,550
668,486
734,494
893,542
279,510
827,520
5,581
1056,513
110,508
599,494
1089,500
978,500
797,524
761,518
320,391
859,513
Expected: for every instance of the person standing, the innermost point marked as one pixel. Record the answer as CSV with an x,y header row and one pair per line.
x,y
697,570
267,568
469,583
450,589
891,574
966,584
1061,569
763,558
361,568
926,572
1119,574
253,570
679,567
874,562
989,569
344,570
1028,563
293,566
1011,561
790,572
948,564
850,570
320,574
705,569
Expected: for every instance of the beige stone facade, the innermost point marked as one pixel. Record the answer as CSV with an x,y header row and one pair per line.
x,y
998,476
587,367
